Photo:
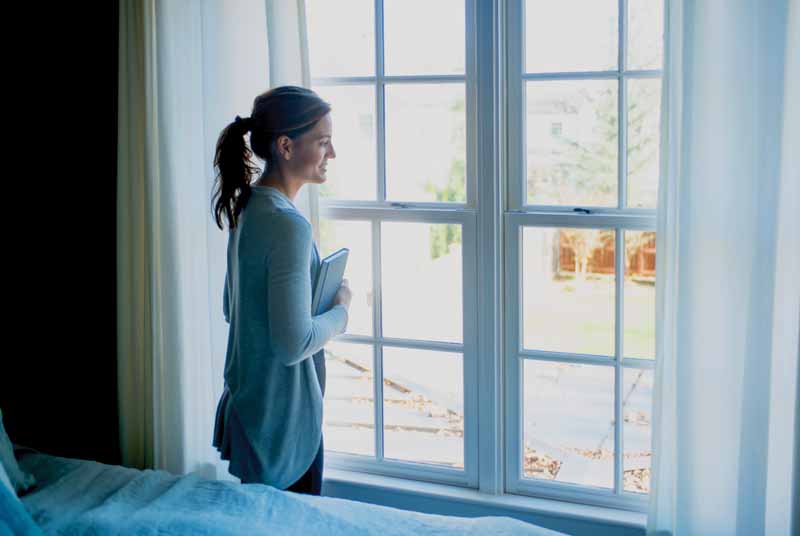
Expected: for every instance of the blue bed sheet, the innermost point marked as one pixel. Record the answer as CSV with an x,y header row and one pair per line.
x,y
86,497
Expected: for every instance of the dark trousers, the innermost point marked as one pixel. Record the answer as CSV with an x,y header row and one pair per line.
x,y
311,482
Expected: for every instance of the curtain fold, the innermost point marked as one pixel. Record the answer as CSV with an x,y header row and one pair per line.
x,y
728,295
187,68
289,65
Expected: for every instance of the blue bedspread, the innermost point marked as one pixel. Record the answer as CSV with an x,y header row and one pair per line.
x,y
86,497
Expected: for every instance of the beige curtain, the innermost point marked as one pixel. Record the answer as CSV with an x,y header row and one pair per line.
x,y
187,68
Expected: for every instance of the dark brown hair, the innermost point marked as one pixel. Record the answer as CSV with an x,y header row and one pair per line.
x,y
281,111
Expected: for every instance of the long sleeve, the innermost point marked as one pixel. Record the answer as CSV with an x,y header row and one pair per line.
x,y
295,334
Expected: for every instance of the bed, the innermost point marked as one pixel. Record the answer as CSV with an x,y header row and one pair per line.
x,y
74,496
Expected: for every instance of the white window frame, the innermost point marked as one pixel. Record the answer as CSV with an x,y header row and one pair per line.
x,y
491,219
519,215
375,212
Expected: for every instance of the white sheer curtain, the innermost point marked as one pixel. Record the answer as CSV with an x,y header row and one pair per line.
x,y
187,68
728,295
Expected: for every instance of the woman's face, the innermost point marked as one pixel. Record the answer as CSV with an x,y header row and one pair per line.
x,y
312,151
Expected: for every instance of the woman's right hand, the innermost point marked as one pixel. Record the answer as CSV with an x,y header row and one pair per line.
x,y
343,295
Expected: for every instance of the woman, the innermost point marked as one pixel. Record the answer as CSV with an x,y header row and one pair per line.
x,y
269,418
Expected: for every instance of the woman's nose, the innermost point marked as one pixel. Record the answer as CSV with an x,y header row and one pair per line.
x,y
332,152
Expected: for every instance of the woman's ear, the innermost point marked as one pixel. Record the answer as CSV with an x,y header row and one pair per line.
x,y
283,146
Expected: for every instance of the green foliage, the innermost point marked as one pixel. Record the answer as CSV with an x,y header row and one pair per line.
x,y
442,236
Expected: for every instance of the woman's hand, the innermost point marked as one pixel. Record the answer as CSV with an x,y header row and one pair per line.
x,y
343,295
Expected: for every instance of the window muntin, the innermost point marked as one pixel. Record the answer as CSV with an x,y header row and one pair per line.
x,y
632,83
411,198
581,247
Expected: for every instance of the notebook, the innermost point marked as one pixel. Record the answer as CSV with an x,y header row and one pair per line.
x,y
329,279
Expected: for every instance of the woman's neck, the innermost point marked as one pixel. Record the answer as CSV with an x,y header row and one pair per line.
x,y
287,187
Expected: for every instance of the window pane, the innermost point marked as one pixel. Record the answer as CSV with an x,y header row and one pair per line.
x,y
569,423
645,34
333,52
570,35
425,142
644,109
568,290
348,417
423,37
357,237
639,309
351,175
423,406
637,402
422,273
572,146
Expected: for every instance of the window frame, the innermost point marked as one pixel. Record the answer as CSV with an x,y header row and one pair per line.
x,y
519,215
492,220
381,210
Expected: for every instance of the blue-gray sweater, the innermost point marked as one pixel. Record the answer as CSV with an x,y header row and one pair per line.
x,y
274,366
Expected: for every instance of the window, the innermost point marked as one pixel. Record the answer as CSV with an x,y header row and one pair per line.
x,y
402,387
498,199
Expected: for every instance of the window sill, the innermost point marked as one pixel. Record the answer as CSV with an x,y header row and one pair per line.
x,y
379,488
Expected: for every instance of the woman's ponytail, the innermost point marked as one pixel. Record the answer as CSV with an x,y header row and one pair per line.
x,y
235,169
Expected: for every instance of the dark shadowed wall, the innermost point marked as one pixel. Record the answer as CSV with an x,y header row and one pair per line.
x,y
58,385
